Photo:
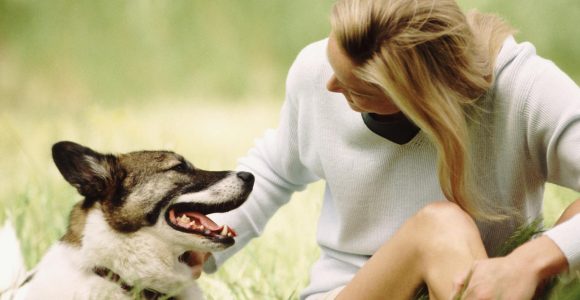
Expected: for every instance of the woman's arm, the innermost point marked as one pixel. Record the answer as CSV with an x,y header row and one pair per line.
x,y
275,161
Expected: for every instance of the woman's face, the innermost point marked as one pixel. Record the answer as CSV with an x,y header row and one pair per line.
x,y
360,96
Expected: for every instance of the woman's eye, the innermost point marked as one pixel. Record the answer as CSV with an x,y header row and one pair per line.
x,y
359,95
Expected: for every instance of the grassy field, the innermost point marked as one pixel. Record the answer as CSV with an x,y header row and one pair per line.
x,y
202,78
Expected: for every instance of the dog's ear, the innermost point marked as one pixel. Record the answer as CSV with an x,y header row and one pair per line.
x,y
90,172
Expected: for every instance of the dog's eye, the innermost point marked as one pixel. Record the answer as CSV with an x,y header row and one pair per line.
x,y
181,168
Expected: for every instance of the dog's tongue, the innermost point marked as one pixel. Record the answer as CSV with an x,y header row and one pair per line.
x,y
205,221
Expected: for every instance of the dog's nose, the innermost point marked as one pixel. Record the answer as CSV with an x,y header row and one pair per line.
x,y
247,177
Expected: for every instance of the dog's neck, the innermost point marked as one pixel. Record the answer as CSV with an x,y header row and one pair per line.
x,y
139,258
146,294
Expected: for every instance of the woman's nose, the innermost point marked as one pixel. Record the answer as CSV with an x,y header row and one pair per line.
x,y
332,85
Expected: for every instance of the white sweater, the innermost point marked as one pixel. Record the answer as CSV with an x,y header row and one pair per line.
x,y
528,135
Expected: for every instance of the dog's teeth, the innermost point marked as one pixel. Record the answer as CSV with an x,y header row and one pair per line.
x,y
230,234
184,218
183,221
202,228
207,231
224,230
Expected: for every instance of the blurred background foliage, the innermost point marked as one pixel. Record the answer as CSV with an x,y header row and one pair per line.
x,y
57,51
108,51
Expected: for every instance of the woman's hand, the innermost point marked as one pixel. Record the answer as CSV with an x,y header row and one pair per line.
x,y
195,260
515,276
496,278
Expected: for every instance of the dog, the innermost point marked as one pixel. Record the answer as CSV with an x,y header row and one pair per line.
x,y
142,214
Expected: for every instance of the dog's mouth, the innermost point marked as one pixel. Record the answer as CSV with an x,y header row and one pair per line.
x,y
185,219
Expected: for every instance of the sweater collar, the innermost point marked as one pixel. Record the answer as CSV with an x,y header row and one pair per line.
x,y
396,128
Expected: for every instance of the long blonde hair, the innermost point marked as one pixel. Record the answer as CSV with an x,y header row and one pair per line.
x,y
434,62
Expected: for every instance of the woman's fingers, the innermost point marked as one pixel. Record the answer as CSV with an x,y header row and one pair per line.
x,y
195,260
459,285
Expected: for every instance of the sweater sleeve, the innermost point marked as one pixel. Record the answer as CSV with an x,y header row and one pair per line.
x,y
277,167
553,132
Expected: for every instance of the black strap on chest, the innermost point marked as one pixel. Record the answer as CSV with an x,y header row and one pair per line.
x,y
396,128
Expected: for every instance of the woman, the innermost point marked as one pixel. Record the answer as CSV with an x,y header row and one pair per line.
x,y
447,120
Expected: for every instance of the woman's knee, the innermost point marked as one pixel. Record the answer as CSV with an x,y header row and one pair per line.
x,y
450,243
445,218
443,211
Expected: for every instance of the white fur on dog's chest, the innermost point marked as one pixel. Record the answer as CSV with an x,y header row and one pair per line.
x,y
66,272
140,256
59,276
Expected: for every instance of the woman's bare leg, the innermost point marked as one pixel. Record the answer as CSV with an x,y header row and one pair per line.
x,y
434,246
570,211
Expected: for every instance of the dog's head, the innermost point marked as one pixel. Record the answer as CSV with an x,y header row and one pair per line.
x,y
155,189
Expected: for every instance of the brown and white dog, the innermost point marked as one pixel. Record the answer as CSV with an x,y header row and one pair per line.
x,y
141,214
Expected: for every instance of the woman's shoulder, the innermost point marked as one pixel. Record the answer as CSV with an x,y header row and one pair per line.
x,y
310,66
313,54
520,71
512,58
530,86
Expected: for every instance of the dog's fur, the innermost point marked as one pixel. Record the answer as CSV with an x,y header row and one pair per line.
x,y
126,225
